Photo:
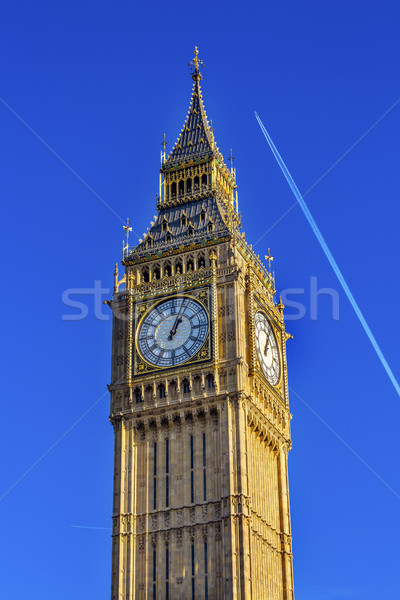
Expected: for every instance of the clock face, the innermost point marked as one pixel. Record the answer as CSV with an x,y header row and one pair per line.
x,y
172,332
267,348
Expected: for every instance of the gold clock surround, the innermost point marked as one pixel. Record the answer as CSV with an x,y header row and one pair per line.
x,y
201,295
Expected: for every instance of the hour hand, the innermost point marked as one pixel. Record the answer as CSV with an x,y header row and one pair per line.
x,y
266,347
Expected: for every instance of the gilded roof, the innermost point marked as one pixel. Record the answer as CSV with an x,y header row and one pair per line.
x,y
196,139
202,220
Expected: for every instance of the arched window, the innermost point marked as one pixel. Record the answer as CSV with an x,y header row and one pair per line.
x,y
138,395
186,386
190,231
168,270
149,242
209,227
190,265
161,391
178,266
201,261
168,238
173,189
183,220
196,184
204,180
164,226
146,275
156,273
189,186
210,381
181,188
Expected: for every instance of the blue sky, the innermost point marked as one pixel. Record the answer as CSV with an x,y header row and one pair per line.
x,y
100,83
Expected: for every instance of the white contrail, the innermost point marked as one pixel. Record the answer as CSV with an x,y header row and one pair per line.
x,y
328,255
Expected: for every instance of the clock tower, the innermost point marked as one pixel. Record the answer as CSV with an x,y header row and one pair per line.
x,y
199,394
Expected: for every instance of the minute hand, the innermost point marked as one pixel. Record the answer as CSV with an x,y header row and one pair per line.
x,y
176,323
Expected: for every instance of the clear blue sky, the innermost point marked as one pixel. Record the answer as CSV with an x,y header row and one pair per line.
x,y
100,83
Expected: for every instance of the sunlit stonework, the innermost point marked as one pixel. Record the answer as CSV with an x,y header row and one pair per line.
x,y
199,394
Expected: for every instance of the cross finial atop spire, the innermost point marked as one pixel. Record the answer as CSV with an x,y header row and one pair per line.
x,y
195,64
269,258
128,229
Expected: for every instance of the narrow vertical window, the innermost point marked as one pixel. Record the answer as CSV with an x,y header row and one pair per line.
x,y
154,573
204,468
205,572
193,589
155,477
167,573
166,473
191,471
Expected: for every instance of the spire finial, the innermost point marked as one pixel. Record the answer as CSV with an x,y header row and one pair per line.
x,y
269,258
195,64
128,229
231,159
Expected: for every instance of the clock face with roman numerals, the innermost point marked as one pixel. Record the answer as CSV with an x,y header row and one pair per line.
x,y
267,348
172,332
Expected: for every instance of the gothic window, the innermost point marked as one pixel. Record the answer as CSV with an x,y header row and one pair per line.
x,y
190,231
190,265
155,475
202,216
168,237
204,180
146,275
191,469
193,573
149,242
196,184
205,572
189,186
204,468
209,227
164,226
183,220
168,270
154,574
161,391
138,395
157,273
201,261
186,386
166,473
210,381
178,267
148,394
167,573
173,189
181,187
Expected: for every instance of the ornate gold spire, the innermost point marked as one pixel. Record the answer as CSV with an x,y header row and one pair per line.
x,y
195,63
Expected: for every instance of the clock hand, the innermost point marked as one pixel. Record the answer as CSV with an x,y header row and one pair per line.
x,y
173,330
176,323
266,346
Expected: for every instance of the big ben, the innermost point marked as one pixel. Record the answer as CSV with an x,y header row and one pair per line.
x,y
199,394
